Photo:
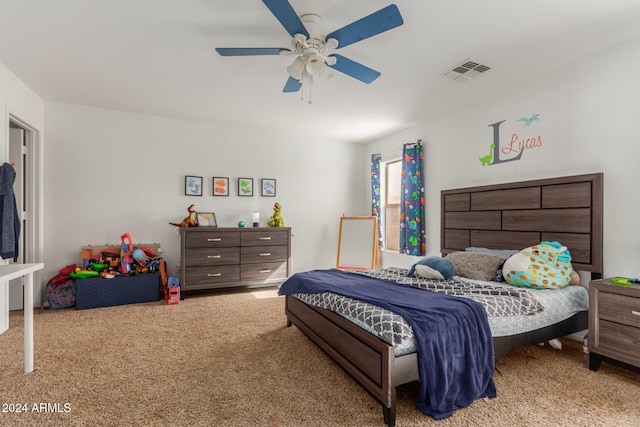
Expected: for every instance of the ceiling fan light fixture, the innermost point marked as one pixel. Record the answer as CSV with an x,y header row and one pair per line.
x,y
315,64
296,68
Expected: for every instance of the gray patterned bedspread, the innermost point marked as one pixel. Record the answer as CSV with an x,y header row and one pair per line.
x,y
392,328
497,300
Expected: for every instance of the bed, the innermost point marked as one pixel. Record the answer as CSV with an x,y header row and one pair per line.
x,y
502,216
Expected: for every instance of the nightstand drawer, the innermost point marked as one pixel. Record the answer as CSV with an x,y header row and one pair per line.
x,y
619,308
622,340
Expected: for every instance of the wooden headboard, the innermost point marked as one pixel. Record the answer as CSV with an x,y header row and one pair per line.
x,y
521,214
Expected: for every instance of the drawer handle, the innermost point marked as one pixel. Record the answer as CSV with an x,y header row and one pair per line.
x,y
217,239
635,313
265,254
264,238
265,271
214,256
214,274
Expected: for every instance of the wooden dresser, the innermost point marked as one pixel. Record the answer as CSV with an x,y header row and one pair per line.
x,y
214,257
614,323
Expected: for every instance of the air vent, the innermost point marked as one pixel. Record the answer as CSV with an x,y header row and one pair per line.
x,y
468,69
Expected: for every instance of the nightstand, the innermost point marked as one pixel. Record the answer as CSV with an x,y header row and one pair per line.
x,y
614,324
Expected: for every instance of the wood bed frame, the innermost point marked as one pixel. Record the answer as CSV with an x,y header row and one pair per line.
x,y
504,216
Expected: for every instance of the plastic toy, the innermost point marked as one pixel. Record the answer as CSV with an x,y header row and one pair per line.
x,y
83,274
174,290
276,219
189,220
125,253
624,281
140,257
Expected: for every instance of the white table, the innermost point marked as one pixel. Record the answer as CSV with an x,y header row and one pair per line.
x,y
13,271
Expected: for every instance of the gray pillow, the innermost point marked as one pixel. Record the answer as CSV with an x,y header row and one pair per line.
x,y
475,265
503,253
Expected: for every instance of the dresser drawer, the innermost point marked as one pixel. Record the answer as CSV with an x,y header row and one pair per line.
x,y
264,272
256,254
195,276
212,239
619,308
263,238
212,256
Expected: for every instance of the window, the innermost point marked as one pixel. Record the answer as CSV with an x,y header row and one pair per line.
x,y
391,201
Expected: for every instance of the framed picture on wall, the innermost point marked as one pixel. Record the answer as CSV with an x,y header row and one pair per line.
x,y
268,187
245,187
192,185
220,186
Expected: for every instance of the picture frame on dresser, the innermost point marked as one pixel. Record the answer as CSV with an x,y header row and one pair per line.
x,y
206,219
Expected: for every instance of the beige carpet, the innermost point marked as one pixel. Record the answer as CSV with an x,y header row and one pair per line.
x,y
228,359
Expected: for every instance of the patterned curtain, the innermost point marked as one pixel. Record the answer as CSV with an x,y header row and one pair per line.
x,y
412,227
375,191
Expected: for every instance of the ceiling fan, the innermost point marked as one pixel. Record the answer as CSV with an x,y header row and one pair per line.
x,y
313,45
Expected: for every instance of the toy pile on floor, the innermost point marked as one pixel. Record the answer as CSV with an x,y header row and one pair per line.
x,y
106,262
127,260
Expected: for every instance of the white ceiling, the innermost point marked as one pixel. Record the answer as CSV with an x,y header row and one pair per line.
x,y
157,56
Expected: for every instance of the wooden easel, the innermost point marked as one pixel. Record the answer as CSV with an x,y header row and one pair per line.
x,y
358,246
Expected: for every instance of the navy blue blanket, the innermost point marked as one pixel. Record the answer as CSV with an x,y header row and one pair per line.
x,y
455,346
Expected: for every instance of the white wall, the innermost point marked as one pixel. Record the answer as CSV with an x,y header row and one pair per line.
x,y
588,123
112,172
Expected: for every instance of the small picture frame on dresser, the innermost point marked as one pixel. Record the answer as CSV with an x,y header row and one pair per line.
x,y
206,219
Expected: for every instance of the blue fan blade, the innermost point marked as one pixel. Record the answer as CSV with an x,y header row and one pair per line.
x,y
292,85
284,12
376,23
246,51
354,69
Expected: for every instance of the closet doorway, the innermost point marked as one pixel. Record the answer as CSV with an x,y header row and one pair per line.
x,y
22,140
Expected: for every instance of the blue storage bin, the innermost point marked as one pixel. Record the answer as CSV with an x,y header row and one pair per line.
x,y
99,292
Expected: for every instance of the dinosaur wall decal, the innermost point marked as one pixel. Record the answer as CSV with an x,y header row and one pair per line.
x,y
486,160
528,120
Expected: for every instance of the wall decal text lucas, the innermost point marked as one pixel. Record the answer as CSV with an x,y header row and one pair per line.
x,y
517,144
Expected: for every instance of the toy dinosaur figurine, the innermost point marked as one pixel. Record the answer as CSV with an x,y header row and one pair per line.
x,y
276,219
190,220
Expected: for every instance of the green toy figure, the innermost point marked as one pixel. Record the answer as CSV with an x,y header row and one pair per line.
x,y
276,219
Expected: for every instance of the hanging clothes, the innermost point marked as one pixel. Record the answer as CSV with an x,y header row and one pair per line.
x,y
9,218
